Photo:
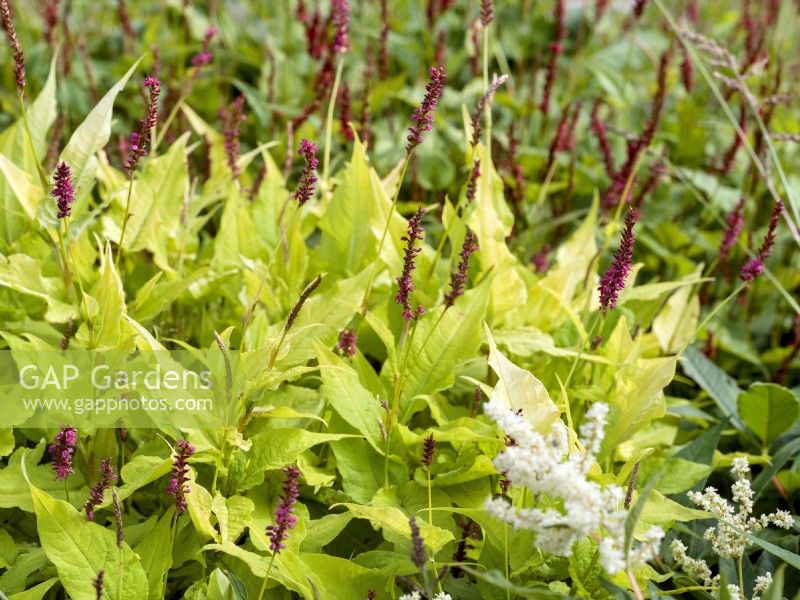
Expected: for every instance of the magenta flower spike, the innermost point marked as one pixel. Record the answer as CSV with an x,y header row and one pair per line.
x,y
755,266
63,190
735,221
613,280
284,518
107,478
308,180
414,234
205,55
340,15
231,120
61,451
458,278
348,341
180,474
422,117
138,140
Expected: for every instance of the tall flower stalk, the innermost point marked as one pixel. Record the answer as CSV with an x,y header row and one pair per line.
x,y
13,44
107,478
137,146
421,121
613,280
405,284
178,487
232,118
284,520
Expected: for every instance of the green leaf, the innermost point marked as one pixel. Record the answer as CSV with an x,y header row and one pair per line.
x,y
719,385
79,549
274,449
156,204
394,521
768,410
350,228
109,328
37,592
90,137
155,552
518,389
27,192
443,340
344,392
491,221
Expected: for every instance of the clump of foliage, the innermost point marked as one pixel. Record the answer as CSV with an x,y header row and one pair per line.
x,y
498,300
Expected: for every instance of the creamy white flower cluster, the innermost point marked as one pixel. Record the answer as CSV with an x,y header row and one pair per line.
x,y
415,595
581,508
726,540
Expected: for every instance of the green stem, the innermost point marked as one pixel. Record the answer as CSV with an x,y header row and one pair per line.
x,y
266,577
741,575
717,308
329,121
89,324
126,218
165,126
66,491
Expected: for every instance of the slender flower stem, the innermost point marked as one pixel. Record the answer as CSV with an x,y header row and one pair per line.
x,y
66,491
126,218
398,387
67,273
89,323
167,122
741,575
329,121
266,577
717,308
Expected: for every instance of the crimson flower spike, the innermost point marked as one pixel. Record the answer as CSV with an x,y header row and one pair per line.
x,y
107,478
63,190
340,15
613,280
487,12
422,117
308,180
480,107
383,53
231,121
599,129
13,44
734,221
458,278
428,450
755,266
205,56
138,140
405,284
177,487
417,544
556,49
472,184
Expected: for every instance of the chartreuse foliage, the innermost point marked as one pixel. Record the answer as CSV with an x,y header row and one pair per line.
x,y
208,276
